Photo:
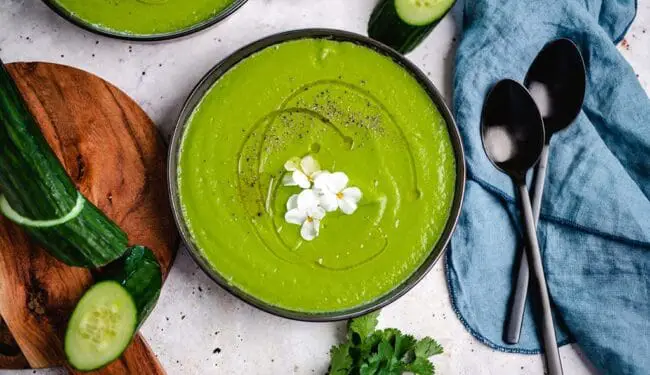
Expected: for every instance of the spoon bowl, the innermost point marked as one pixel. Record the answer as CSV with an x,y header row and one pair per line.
x,y
512,129
556,81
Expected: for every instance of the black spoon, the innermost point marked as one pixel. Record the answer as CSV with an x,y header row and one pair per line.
x,y
513,138
557,81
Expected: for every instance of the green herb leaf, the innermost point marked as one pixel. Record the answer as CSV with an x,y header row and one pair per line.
x,y
371,367
364,325
385,350
427,347
421,366
403,345
381,352
341,360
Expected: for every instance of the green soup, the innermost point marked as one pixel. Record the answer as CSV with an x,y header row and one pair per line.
x,y
144,17
353,110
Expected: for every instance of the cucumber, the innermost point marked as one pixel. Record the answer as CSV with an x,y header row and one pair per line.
x,y
101,326
403,24
38,195
11,214
110,313
139,272
422,12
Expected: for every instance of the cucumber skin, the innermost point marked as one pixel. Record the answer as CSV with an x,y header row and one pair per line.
x,y
139,273
387,27
36,186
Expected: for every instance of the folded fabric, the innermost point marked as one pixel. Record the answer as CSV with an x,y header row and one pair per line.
x,y
595,219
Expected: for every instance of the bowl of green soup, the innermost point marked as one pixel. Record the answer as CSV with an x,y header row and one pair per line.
x,y
144,20
316,174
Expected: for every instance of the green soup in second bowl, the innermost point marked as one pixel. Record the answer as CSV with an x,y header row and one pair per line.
x,y
143,17
353,110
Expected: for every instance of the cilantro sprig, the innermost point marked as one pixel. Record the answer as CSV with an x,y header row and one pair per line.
x,y
369,351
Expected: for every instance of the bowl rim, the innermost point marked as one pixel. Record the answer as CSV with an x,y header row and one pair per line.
x,y
438,250
77,21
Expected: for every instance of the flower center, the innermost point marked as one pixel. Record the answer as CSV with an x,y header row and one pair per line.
x,y
339,195
310,219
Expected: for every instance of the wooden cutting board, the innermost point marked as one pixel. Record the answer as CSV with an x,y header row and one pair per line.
x,y
117,159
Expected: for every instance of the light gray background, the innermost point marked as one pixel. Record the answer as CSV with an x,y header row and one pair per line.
x,y
189,323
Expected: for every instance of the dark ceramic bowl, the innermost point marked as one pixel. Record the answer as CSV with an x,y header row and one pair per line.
x,y
144,37
213,75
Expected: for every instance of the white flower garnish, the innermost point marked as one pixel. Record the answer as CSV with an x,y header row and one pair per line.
x,y
304,209
302,172
322,192
333,192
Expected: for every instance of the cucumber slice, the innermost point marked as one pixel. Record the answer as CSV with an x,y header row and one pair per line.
x,y
403,24
101,326
11,214
421,12
109,314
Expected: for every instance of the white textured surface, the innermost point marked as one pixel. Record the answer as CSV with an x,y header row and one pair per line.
x,y
194,316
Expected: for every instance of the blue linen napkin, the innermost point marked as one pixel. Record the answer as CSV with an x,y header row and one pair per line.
x,y
595,219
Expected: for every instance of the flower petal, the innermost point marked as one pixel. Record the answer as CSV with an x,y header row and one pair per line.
x,y
317,214
338,181
287,180
315,175
295,216
292,164
301,179
310,229
292,202
328,200
348,206
309,165
352,193
321,180
307,200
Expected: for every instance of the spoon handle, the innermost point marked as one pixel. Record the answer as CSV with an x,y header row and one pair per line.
x,y
518,300
553,363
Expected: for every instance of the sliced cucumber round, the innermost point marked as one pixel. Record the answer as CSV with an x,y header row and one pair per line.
x,y
421,12
404,24
101,326
14,216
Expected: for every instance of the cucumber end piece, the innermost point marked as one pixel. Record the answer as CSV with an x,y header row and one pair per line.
x,y
422,12
101,326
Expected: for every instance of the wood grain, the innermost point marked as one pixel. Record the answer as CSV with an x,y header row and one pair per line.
x,y
113,153
10,355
